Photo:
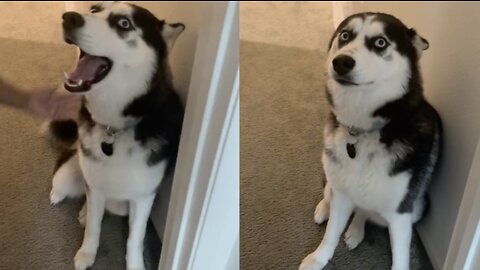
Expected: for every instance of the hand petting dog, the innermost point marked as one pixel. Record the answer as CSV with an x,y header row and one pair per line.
x,y
47,103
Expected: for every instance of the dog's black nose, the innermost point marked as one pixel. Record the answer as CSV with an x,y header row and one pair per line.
x,y
343,64
72,20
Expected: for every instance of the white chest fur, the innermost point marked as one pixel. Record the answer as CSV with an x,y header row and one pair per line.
x,y
355,106
365,178
123,175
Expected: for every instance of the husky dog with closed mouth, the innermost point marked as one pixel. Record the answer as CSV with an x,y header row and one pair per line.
x,y
383,139
129,124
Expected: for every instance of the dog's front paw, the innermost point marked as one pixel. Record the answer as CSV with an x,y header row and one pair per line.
x,y
311,263
83,260
135,262
354,236
55,197
321,212
136,268
395,267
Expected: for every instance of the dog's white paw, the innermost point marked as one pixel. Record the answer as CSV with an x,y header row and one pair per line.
x,y
321,212
55,197
83,260
136,268
311,263
134,260
353,237
399,267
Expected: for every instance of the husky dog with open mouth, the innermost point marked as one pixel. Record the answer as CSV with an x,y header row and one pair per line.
x,y
129,124
383,139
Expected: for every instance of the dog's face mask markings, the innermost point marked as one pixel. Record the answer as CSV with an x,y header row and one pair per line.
x,y
372,57
113,37
364,46
122,24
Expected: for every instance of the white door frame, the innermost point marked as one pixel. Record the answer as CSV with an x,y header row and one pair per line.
x,y
202,227
464,250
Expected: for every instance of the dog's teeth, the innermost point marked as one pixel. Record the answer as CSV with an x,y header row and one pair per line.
x,y
65,74
71,84
80,82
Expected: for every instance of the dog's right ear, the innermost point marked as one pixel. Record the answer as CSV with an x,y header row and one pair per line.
x,y
170,32
418,42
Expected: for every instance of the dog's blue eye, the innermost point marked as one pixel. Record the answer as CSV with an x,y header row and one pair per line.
x,y
344,36
380,43
124,23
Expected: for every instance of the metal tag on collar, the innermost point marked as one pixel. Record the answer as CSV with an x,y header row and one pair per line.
x,y
110,135
353,131
110,131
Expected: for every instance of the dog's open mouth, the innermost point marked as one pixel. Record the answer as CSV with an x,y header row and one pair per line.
x,y
90,70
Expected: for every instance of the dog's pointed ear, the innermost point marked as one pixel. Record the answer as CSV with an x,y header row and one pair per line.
x,y
170,32
418,42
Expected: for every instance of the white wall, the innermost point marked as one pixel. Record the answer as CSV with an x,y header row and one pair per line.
x,y
451,71
202,226
464,250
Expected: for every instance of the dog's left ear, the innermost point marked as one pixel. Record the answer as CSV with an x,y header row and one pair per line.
x,y
418,42
170,32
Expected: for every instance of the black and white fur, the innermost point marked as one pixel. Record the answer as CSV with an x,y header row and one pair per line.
x,y
136,97
377,105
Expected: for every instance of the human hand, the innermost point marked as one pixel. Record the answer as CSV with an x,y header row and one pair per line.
x,y
52,104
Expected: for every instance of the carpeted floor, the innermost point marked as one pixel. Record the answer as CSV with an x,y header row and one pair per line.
x,y
34,234
283,109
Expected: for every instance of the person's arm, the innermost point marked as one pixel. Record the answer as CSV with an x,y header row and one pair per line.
x,y
44,103
54,104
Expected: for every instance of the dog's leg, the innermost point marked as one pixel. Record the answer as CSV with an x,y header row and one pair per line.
x,y
95,208
340,209
67,181
356,231
400,229
139,213
323,208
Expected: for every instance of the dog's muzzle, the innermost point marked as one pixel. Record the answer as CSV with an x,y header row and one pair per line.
x,y
343,64
72,20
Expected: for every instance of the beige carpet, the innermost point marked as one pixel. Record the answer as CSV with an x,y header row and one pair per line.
x,y
34,234
32,21
296,24
283,109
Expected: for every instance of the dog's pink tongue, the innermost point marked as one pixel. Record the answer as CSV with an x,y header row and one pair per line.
x,y
87,68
